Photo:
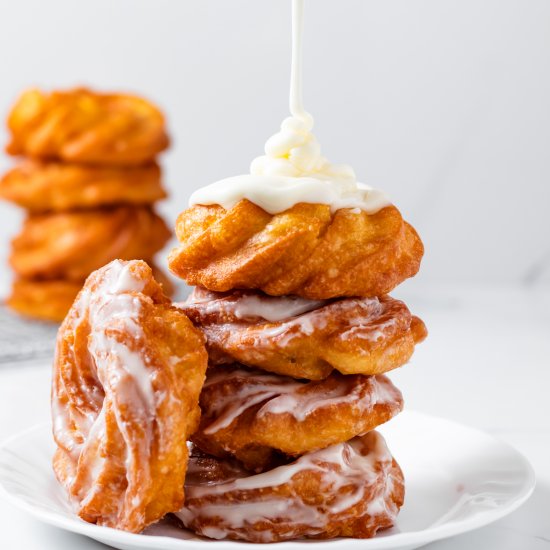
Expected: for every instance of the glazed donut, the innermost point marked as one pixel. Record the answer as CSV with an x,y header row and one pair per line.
x,y
70,245
51,300
255,416
127,375
305,250
305,338
351,489
86,127
55,186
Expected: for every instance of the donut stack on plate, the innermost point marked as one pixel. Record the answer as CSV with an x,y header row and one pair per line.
x,y
300,330
88,179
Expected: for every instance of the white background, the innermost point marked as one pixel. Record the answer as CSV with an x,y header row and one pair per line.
x,y
445,104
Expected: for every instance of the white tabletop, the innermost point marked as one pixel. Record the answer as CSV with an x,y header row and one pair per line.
x,y
486,363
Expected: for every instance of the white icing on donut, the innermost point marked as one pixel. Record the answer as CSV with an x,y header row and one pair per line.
x,y
112,311
250,306
124,281
284,395
301,405
361,318
113,305
258,388
279,193
361,328
348,473
114,372
273,308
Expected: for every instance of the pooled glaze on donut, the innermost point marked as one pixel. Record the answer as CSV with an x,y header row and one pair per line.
x,y
349,489
251,306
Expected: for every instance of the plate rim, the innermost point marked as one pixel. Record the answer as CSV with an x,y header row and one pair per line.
x,y
396,540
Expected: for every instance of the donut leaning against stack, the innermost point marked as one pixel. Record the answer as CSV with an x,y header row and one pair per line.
x,y
88,181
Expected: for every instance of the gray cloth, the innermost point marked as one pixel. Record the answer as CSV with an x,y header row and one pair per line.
x,y
23,340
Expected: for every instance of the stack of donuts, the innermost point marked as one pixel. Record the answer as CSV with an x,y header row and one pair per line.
x,y
88,180
299,330
249,411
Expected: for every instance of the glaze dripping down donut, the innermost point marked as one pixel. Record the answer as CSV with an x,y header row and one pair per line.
x,y
350,489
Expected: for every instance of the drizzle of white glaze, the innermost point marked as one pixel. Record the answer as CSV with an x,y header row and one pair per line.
x,y
113,310
284,395
368,319
120,312
115,374
125,281
364,331
356,473
257,388
273,308
249,306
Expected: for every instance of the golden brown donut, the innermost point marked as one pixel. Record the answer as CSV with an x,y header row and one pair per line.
x,y
83,126
351,489
255,416
305,338
44,300
51,300
127,375
55,186
70,245
305,250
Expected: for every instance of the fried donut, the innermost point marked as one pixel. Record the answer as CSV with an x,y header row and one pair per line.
x,y
305,338
350,489
127,375
87,127
54,186
255,416
305,250
51,300
70,245
44,300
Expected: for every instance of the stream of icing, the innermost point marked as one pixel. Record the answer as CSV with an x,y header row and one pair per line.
x,y
292,170
296,71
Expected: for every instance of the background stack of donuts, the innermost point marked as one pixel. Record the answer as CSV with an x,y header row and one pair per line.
x,y
88,181
295,388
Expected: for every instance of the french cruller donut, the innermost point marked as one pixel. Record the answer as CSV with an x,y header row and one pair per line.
x,y
256,416
305,338
351,489
127,375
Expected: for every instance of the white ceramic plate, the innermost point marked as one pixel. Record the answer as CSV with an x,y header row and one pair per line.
x,y
457,479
